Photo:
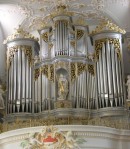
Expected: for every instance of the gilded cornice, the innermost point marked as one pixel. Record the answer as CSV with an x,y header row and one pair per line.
x,y
20,33
107,26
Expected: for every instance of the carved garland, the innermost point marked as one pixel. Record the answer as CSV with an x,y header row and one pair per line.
x,y
114,41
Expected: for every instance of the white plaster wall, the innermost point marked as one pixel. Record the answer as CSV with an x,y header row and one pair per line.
x,y
96,137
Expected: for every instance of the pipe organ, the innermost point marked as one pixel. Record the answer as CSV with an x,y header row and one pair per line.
x,y
64,78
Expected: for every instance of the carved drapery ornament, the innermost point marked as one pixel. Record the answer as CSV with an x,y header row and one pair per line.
x,y
77,69
114,41
12,50
48,71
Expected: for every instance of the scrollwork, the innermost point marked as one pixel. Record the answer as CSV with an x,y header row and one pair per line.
x,y
48,71
37,73
91,69
80,34
45,36
12,50
107,26
19,33
114,41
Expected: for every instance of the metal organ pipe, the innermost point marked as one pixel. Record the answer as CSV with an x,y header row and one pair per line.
x,y
108,68
19,75
62,35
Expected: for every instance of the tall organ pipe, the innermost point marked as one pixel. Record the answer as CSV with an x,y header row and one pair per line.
x,y
20,78
108,67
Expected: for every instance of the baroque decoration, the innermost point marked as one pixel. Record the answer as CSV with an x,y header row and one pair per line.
x,y
58,80
51,138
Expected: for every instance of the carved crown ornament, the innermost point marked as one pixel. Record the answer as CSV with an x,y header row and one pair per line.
x,y
20,33
107,26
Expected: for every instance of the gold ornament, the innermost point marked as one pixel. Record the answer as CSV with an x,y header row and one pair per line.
x,y
109,27
80,34
18,34
114,41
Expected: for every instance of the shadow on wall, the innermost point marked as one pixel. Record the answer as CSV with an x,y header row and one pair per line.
x,y
2,57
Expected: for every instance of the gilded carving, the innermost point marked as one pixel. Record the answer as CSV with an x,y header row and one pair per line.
x,y
91,69
77,69
61,10
80,34
114,41
12,50
62,64
48,71
80,68
45,36
107,122
20,33
51,73
44,70
37,73
72,44
51,138
50,46
10,54
108,26
73,72
28,52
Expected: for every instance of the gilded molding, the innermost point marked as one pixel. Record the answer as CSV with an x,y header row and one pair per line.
x,y
107,26
18,34
114,41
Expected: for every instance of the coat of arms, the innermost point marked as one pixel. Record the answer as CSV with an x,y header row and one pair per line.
x,y
51,138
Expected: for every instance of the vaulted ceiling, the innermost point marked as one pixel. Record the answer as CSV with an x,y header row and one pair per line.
x,y
33,14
